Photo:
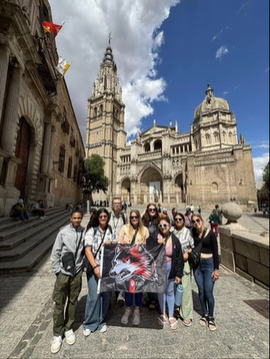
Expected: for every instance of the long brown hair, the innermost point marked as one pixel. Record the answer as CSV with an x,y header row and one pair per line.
x,y
146,218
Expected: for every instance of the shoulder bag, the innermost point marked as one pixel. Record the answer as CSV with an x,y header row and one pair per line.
x,y
195,254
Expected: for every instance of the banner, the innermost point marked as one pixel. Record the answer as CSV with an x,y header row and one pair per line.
x,y
139,268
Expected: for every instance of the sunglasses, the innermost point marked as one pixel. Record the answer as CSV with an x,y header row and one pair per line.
x,y
103,217
152,210
178,219
134,217
163,225
116,204
196,221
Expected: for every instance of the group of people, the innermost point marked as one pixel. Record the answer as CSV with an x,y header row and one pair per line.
x,y
18,210
73,242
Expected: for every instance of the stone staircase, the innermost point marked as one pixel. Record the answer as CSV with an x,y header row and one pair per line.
x,y
22,245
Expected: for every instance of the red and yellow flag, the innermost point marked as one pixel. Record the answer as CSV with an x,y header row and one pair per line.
x,y
50,27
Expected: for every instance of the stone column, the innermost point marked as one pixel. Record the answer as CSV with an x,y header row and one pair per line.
x,y
4,57
53,130
46,148
10,118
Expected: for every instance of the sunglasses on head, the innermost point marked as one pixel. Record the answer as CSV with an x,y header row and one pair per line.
x,y
196,221
133,217
163,225
178,219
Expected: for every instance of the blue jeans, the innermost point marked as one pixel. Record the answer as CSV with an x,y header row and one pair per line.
x,y
21,214
129,299
168,296
97,305
202,275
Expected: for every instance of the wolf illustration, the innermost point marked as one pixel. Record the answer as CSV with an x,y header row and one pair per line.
x,y
133,262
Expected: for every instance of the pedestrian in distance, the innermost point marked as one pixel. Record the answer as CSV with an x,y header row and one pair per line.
x,y
38,209
18,211
67,260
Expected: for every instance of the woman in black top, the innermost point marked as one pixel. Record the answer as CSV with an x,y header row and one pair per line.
x,y
150,219
207,271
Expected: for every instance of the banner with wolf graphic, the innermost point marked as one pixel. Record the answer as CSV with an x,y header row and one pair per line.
x,y
139,268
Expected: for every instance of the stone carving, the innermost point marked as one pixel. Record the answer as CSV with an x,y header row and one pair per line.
x,y
231,211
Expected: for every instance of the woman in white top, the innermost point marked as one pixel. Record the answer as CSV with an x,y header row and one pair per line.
x,y
185,312
133,233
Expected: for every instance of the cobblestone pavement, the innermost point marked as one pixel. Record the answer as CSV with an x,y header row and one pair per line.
x,y
242,332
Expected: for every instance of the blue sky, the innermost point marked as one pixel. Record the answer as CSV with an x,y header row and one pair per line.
x,y
166,52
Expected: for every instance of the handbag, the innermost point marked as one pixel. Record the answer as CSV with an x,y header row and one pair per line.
x,y
195,254
69,260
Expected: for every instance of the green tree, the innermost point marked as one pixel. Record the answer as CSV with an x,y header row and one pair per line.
x,y
94,179
266,176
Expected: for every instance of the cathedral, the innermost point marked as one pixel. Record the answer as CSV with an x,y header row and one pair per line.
x,y
205,166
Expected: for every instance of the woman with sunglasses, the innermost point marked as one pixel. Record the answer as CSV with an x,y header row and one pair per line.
x,y
174,265
207,271
150,219
97,233
185,312
131,233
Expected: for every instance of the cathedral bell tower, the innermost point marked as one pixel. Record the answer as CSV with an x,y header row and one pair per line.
x,y
105,134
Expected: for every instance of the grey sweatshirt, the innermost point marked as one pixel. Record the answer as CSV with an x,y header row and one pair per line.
x,y
67,241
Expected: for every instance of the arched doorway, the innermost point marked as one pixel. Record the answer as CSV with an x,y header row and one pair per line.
x,y
151,186
125,190
22,152
179,189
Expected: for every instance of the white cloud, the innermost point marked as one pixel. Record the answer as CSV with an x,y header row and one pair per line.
x,y
258,164
262,145
217,35
266,70
221,52
225,92
135,42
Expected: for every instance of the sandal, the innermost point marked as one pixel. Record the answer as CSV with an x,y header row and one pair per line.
x,y
203,320
162,320
146,301
153,304
187,322
212,324
173,323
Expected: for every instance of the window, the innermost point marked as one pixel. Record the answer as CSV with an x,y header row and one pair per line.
x,y
147,147
69,167
158,145
61,159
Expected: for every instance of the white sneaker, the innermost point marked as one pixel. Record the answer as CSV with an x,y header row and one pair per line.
x,y
70,337
125,317
86,332
56,344
41,217
103,329
120,300
136,317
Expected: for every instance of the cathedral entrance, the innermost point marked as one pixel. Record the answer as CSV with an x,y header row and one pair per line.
x,y
125,190
151,186
22,152
179,189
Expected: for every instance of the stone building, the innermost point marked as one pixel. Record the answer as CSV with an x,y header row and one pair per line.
x,y
41,149
205,166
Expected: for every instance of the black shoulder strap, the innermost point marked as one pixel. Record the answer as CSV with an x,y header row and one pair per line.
x,y
103,236
134,237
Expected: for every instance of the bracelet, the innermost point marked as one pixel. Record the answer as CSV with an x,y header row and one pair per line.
x,y
95,266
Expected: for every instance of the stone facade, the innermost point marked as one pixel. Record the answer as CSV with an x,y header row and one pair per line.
x,y
205,166
41,149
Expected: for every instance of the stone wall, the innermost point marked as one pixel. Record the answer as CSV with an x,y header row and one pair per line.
x,y
245,253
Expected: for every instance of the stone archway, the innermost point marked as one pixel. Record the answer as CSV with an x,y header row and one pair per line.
x,y
151,186
125,190
179,189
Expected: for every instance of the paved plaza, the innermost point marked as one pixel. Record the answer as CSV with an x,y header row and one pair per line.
x,y
242,332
